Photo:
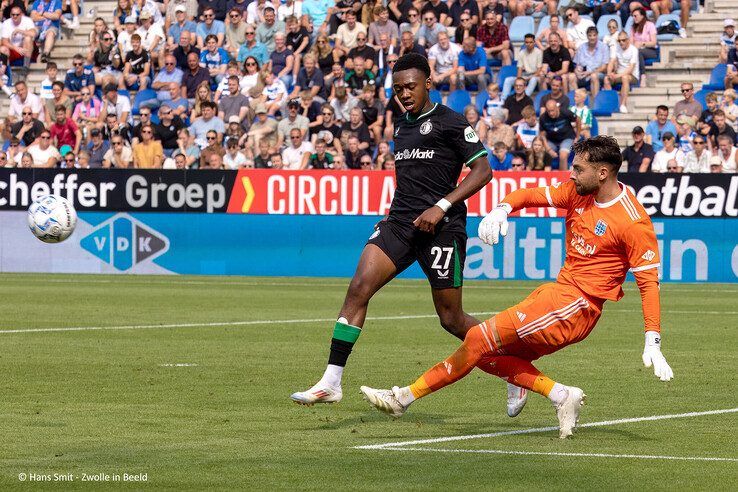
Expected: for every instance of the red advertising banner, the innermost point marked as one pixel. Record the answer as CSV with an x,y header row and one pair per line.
x,y
263,191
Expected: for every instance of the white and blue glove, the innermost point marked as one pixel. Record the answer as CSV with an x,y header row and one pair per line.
x,y
652,356
494,224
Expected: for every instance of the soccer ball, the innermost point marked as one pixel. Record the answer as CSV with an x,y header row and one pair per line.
x,y
52,218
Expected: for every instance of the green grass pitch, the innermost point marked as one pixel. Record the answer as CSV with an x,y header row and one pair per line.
x,y
202,401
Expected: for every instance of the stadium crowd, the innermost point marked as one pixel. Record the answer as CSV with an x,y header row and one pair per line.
x,y
227,84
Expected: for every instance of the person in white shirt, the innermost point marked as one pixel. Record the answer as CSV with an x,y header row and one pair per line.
x,y
22,98
670,151
347,33
443,59
44,154
152,36
728,154
577,29
290,7
697,160
18,34
296,155
624,69
233,158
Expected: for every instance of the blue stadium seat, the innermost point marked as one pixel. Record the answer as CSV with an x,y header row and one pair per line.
x,y
141,96
606,103
570,95
481,100
520,26
505,73
665,19
700,96
602,24
717,78
595,128
544,23
435,96
628,25
650,61
537,100
458,100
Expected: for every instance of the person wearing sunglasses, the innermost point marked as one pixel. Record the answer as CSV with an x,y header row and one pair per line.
x,y
119,156
688,106
19,44
213,146
163,82
77,78
697,160
577,28
152,36
107,62
266,30
235,31
28,128
640,154
624,69
179,22
148,153
44,154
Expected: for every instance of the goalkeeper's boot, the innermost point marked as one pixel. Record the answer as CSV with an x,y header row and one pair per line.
x,y
320,393
384,400
568,411
516,399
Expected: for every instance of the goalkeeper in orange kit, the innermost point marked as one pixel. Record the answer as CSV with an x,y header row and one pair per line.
x,y
608,233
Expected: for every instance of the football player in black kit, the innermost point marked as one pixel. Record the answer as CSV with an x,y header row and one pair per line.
x,y
426,222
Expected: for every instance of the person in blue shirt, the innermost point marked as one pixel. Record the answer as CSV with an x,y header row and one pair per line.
x,y
318,11
210,26
214,59
252,47
656,128
499,158
46,14
473,64
182,24
77,78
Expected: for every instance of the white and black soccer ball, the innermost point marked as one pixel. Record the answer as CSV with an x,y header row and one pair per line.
x,y
52,218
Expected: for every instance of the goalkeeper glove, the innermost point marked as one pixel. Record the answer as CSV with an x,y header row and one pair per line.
x,y
494,224
652,356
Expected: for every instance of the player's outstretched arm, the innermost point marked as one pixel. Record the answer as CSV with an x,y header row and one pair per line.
x,y
479,176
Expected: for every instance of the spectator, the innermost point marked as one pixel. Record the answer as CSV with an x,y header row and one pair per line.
x,y
274,93
310,109
78,77
298,41
282,60
672,166
234,131
210,26
233,103
107,63
113,128
178,104
499,131
467,25
25,98
640,154
148,153
52,73
318,11
525,7
494,38
577,30
28,129
320,159
182,23
383,25
591,61
144,120
208,122
343,103
428,33
611,38
412,23
623,69
137,67
478,124
728,105
163,81
373,113
530,60
443,59
46,14
123,41
253,48
518,164
658,7
347,34
354,153
262,129
472,64
542,41
184,48
193,78
328,130
366,163
119,156
408,44
668,152
557,94
359,77
250,77
14,153
213,147
365,51
528,129
293,121
180,161
233,158
26,160
218,7
499,158
719,127
708,115
235,32
688,106
538,156
296,154
214,59
727,39
309,78
561,128
556,62
716,164
515,104
42,153
493,101
324,55
685,133
656,128
97,149
18,33
728,154
152,36
357,128
263,158
581,110
698,159
440,9
643,37
187,147
276,159
167,130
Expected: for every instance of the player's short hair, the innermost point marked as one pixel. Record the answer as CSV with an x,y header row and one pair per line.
x,y
601,149
412,60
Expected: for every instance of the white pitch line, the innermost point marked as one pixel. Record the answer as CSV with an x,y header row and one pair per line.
x,y
603,423
579,455
224,323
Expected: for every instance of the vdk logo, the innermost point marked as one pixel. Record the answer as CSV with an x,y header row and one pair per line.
x,y
123,242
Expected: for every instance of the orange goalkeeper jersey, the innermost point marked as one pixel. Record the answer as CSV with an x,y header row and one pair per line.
x,y
603,242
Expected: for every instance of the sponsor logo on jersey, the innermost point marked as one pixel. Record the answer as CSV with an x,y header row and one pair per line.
x,y
648,255
579,210
470,135
448,366
600,228
521,316
374,234
426,127
414,154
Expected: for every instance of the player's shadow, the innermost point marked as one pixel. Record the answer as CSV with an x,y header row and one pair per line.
x,y
373,417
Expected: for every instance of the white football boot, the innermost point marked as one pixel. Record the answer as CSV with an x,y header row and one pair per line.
x,y
516,399
320,393
568,411
384,400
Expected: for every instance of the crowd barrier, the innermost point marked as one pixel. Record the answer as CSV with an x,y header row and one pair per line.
x,y
292,223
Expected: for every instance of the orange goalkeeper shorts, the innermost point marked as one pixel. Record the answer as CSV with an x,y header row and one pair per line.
x,y
550,318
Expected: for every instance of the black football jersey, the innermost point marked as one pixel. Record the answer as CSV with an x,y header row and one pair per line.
x,y
430,152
